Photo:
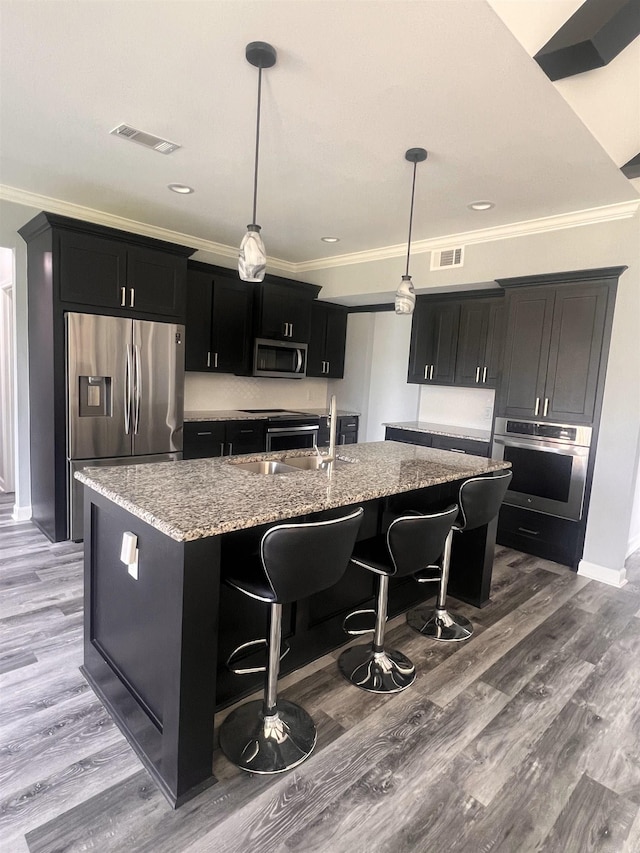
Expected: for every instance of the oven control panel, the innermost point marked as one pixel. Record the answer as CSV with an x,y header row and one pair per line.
x,y
565,433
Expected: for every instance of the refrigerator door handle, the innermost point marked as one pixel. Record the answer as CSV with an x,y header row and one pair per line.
x,y
137,390
127,391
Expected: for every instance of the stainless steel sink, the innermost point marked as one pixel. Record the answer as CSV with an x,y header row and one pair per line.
x,y
312,463
265,467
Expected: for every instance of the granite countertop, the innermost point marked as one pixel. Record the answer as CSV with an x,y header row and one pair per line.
x,y
443,429
197,498
239,415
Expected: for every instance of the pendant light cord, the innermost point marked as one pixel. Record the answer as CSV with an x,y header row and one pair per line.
x,y
413,191
255,173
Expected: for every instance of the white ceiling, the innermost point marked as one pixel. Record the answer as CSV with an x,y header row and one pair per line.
x,y
357,82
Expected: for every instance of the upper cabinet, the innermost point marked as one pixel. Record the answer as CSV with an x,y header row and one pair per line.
x,y
116,275
327,341
434,338
283,309
456,341
558,330
480,341
218,320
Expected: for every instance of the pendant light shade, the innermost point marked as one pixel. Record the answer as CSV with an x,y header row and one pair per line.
x,y
252,257
405,300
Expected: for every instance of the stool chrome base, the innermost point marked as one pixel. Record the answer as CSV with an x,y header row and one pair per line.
x,y
273,744
440,625
388,671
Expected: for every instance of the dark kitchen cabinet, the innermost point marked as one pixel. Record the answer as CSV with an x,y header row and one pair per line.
x,y
434,340
346,430
218,321
327,341
283,309
119,277
555,339
480,342
440,442
204,439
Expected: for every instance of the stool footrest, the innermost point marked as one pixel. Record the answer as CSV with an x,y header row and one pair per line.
x,y
430,574
242,653
356,632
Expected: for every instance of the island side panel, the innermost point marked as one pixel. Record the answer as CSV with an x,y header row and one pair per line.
x,y
151,643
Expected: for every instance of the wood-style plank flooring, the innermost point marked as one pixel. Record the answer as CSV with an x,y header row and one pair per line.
x,y
525,738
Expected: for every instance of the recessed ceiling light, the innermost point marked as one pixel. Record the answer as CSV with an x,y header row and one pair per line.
x,y
180,188
330,239
481,205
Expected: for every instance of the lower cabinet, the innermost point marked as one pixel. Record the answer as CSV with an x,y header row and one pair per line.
x,y
441,442
203,439
545,536
346,431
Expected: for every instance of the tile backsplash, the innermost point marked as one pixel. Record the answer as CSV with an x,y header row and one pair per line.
x,y
204,392
466,407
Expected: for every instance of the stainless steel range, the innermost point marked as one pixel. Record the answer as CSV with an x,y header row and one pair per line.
x,y
288,430
549,465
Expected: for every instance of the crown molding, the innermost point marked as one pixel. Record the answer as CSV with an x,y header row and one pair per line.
x,y
100,217
591,216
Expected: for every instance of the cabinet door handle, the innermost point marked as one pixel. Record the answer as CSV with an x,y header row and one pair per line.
x,y
132,297
230,448
426,370
286,329
204,433
477,374
484,374
343,438
123,297
527,530
222,448
537,409
546,407
208,359
328,366
431,372
291,329
215,359
455,450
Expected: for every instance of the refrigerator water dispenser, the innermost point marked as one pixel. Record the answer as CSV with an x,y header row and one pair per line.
x,y
95,397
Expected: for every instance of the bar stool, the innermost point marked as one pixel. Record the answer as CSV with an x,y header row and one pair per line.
x,y
412,542
271,735
479,500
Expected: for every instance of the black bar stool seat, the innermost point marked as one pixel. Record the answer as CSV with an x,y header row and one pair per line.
x,y
412,542
271,735
479,500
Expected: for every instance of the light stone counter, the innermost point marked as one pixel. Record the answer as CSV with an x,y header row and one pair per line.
x,y
199,498
442,429
239,415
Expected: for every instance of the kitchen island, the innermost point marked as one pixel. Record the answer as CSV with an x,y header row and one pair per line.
x,y
159,625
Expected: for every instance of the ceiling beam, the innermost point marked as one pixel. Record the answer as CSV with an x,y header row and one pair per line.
x,y
632,168
596,33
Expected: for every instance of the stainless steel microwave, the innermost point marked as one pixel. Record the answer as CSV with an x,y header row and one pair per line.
x,y
280,359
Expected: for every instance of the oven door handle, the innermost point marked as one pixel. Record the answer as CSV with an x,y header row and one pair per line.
x,y
272,430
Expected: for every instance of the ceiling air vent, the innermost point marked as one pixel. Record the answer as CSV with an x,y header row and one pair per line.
x,y
146,139
445,258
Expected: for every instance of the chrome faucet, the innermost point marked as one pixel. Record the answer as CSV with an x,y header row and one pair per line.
x,y
333,425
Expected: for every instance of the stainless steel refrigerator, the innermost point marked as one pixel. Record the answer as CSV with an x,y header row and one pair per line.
x,y
125,396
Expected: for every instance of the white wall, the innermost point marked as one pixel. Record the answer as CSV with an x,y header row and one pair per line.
x,y
465,407
375,382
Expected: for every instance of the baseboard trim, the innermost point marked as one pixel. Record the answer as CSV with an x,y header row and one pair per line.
x,y
612,577
21,513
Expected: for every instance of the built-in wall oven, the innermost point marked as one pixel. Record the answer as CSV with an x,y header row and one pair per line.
x,y
549,464
289,430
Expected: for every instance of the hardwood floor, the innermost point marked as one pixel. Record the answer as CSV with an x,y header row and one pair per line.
x,y
525,738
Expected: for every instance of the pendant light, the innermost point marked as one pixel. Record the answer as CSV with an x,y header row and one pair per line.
x,y
405,294
252,258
